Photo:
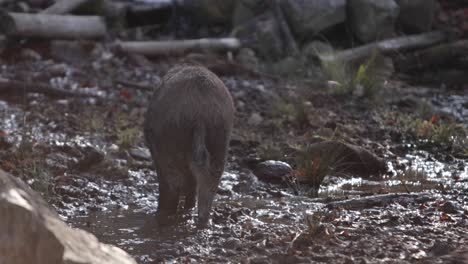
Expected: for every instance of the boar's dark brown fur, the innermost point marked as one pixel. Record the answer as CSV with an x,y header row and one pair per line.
x,y
187,129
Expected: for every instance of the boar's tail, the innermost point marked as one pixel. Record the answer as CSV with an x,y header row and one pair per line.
x,y
200,154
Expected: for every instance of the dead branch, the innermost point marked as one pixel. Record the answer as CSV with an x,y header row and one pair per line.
x,y
154,48
61,7
135,85
378,200
52,26
386,46
445,54
19,87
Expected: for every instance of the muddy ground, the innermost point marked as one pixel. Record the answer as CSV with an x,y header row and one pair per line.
x,y
86,156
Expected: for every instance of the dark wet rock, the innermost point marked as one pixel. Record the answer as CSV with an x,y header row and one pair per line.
x,y
308,18
91,157
372,20
440,248
262,35
140,153
33,233
272,170
333,157
417,15
451,207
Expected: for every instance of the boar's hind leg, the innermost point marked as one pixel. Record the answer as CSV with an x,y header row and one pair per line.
x,y
207,184
168,195
200,167
190,192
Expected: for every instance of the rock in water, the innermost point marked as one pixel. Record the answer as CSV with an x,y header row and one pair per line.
x,y
272,170
33,233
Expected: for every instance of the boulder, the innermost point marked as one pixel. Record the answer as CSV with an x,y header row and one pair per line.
x,y
246,10
208,12
371,20
33,233
263,35
416,16
307,17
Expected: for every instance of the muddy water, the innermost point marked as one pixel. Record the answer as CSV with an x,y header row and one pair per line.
x,y
247,215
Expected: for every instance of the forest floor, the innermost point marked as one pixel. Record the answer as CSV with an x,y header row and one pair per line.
x,y
87,157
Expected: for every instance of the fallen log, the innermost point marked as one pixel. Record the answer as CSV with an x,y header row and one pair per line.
x,y
386,46
379,201
154,48
52,26
63,7
446,54
449,77
19,87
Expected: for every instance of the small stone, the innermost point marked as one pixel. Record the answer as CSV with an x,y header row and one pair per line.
x,y
113,148
57,69
247,57
272,170
450,207
255,119
30,55
140,153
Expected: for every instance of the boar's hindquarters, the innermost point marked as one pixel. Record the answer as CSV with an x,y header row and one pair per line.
x,y
187,129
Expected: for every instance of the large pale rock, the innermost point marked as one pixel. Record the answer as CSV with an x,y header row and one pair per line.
x,y
30,232
417,16
372,20
307,17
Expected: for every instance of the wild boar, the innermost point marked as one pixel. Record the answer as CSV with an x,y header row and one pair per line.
x,y
187,129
